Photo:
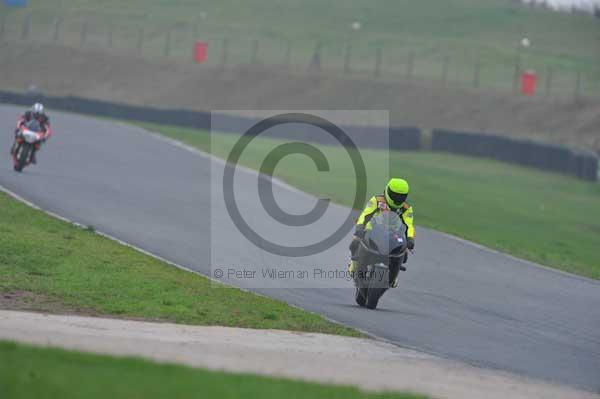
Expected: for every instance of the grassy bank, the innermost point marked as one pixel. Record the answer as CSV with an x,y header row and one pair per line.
x,y
416,37
55,266
30,372
544,217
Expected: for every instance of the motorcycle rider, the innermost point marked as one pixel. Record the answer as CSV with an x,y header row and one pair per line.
x,y
393,199
37,113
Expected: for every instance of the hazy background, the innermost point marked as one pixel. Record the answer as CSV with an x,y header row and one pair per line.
x,y
567,4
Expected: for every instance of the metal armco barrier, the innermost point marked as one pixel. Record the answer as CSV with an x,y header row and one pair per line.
x,y
580,163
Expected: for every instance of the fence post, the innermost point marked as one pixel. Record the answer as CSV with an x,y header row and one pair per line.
x,y
111,28
2,26
254,59
476,73
410,64
84,30
548,80
224,53
315,62
578,85
445,64
378,61
288,54
140,38
194,29
517,72
56,31
347,58
167,49
26,27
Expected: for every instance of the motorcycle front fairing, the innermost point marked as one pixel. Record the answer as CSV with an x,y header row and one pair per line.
x,y
384,242
30,136
386,239
32,132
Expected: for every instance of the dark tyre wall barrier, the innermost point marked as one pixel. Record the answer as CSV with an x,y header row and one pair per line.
x,y
395,138
580,163
86,106
399,138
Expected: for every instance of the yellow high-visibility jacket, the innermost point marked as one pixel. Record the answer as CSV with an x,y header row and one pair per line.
x,y
377,204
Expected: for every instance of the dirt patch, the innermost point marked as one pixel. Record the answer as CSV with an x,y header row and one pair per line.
x,y
20,300
128,78
30,301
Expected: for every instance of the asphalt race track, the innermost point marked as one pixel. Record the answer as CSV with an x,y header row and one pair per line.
x,y
457,300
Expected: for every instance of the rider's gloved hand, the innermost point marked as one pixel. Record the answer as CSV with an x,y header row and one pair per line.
x,y
410,243
354,244
360,232
358,235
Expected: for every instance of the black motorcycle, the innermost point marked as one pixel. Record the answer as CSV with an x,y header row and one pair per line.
x,y
26,139
383,246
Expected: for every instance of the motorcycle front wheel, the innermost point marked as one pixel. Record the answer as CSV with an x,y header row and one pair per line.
x,y
373,296
360,296
22,155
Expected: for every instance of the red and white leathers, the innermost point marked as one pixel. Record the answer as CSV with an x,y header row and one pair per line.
x,y
42,119
46,131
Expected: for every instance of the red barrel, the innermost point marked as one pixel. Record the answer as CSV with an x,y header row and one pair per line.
x,y
200,52
528,82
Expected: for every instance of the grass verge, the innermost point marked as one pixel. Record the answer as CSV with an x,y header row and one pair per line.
x,y
466,33
75,269
31,372
544,217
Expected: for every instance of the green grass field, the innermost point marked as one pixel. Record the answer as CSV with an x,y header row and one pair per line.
x,y
75,269
423,33
544,217
30,372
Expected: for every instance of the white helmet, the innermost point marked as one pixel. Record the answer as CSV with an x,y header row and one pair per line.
x,y
38,108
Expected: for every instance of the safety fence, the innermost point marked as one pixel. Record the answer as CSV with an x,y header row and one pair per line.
x,y
579,163
366,57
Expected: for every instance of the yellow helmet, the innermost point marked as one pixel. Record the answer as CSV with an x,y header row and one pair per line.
x,y
396,192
